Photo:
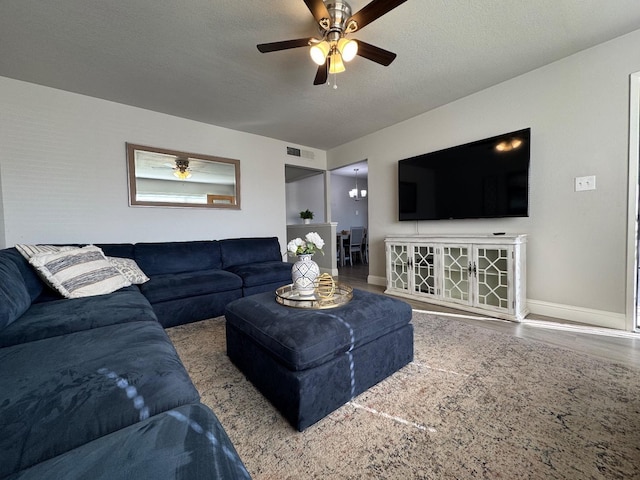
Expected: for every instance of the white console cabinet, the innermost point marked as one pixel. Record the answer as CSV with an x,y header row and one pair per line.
x,y
482,274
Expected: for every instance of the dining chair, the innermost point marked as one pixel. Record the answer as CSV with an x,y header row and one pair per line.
x,y
342,244
356,237
365,246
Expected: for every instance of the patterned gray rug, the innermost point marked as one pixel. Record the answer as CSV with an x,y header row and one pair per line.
x,y
474,404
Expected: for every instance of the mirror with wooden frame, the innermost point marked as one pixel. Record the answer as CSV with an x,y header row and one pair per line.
x,y
169,178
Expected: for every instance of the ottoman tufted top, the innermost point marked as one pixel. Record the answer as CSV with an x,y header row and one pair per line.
x,y
305,338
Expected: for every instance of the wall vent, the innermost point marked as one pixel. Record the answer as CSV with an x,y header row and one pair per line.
x,y
296,152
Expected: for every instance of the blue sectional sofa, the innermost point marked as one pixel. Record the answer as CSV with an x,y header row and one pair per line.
x,y
92,387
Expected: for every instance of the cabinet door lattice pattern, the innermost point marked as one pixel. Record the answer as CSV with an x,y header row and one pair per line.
x,y
399,275
456,273
424,275
493,277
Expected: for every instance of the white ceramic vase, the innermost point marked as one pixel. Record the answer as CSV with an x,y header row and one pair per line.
x,y
304,273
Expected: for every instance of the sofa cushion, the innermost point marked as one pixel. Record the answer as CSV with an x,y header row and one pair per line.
x,y
123,250
79,273
59,393
177,257
187,443
162,288
243,251
14,296
62,316
254,274
193,309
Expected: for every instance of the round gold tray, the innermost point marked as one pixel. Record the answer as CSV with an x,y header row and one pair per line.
x,y
290,297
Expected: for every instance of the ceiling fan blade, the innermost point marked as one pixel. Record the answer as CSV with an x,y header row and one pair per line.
x,y
375,54
322,74
284,45
318,9
373,11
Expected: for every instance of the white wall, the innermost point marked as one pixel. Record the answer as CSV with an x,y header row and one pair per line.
x,y
577,109
344,209
307,193
64,176
3,242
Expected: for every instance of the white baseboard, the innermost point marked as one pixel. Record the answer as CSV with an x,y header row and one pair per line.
x,y
374,280
331,271
599,318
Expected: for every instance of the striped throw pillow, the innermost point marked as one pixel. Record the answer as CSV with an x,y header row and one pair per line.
x,y
29,251
81,272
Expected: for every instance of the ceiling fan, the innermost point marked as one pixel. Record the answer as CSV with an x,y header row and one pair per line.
x,y
182,170
180,167
335,22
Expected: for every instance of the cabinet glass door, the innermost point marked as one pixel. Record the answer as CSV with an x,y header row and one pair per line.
x,y
492,277
399,267
455,261
424,269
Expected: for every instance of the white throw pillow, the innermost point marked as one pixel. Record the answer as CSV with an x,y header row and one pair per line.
x,y
81,272
29,251
129,269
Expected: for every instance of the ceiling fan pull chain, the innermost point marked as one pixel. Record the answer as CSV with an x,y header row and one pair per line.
x,y
335,81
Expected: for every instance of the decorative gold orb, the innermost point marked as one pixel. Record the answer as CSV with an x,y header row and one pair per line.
x,y
325,286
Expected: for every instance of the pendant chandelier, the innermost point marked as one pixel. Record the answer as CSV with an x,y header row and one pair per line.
x,y
354,192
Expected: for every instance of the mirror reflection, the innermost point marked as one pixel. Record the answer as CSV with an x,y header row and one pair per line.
x,y
160,177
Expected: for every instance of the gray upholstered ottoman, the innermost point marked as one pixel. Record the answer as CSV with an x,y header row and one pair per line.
x,y
310,362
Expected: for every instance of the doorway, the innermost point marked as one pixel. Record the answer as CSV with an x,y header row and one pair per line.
x,y
350,208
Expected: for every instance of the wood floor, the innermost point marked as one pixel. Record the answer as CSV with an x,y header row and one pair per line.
x,y
609,345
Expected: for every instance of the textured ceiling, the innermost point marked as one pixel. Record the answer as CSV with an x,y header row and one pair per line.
x,y
198,59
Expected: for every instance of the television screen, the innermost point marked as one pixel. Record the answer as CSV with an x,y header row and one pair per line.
x,y
484,179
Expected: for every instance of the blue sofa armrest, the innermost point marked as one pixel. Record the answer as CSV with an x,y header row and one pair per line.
x,y
31,280
14,296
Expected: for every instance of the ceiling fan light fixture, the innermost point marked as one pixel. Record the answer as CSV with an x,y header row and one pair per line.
x,y
335,63
181,170
348,49
182,174
319,52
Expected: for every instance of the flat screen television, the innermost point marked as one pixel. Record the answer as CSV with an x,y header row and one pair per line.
x,y
483,179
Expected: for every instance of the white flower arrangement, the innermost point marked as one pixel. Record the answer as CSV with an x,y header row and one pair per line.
x,y
309,245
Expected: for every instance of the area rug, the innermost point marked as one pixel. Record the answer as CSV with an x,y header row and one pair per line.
x,y
474,403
